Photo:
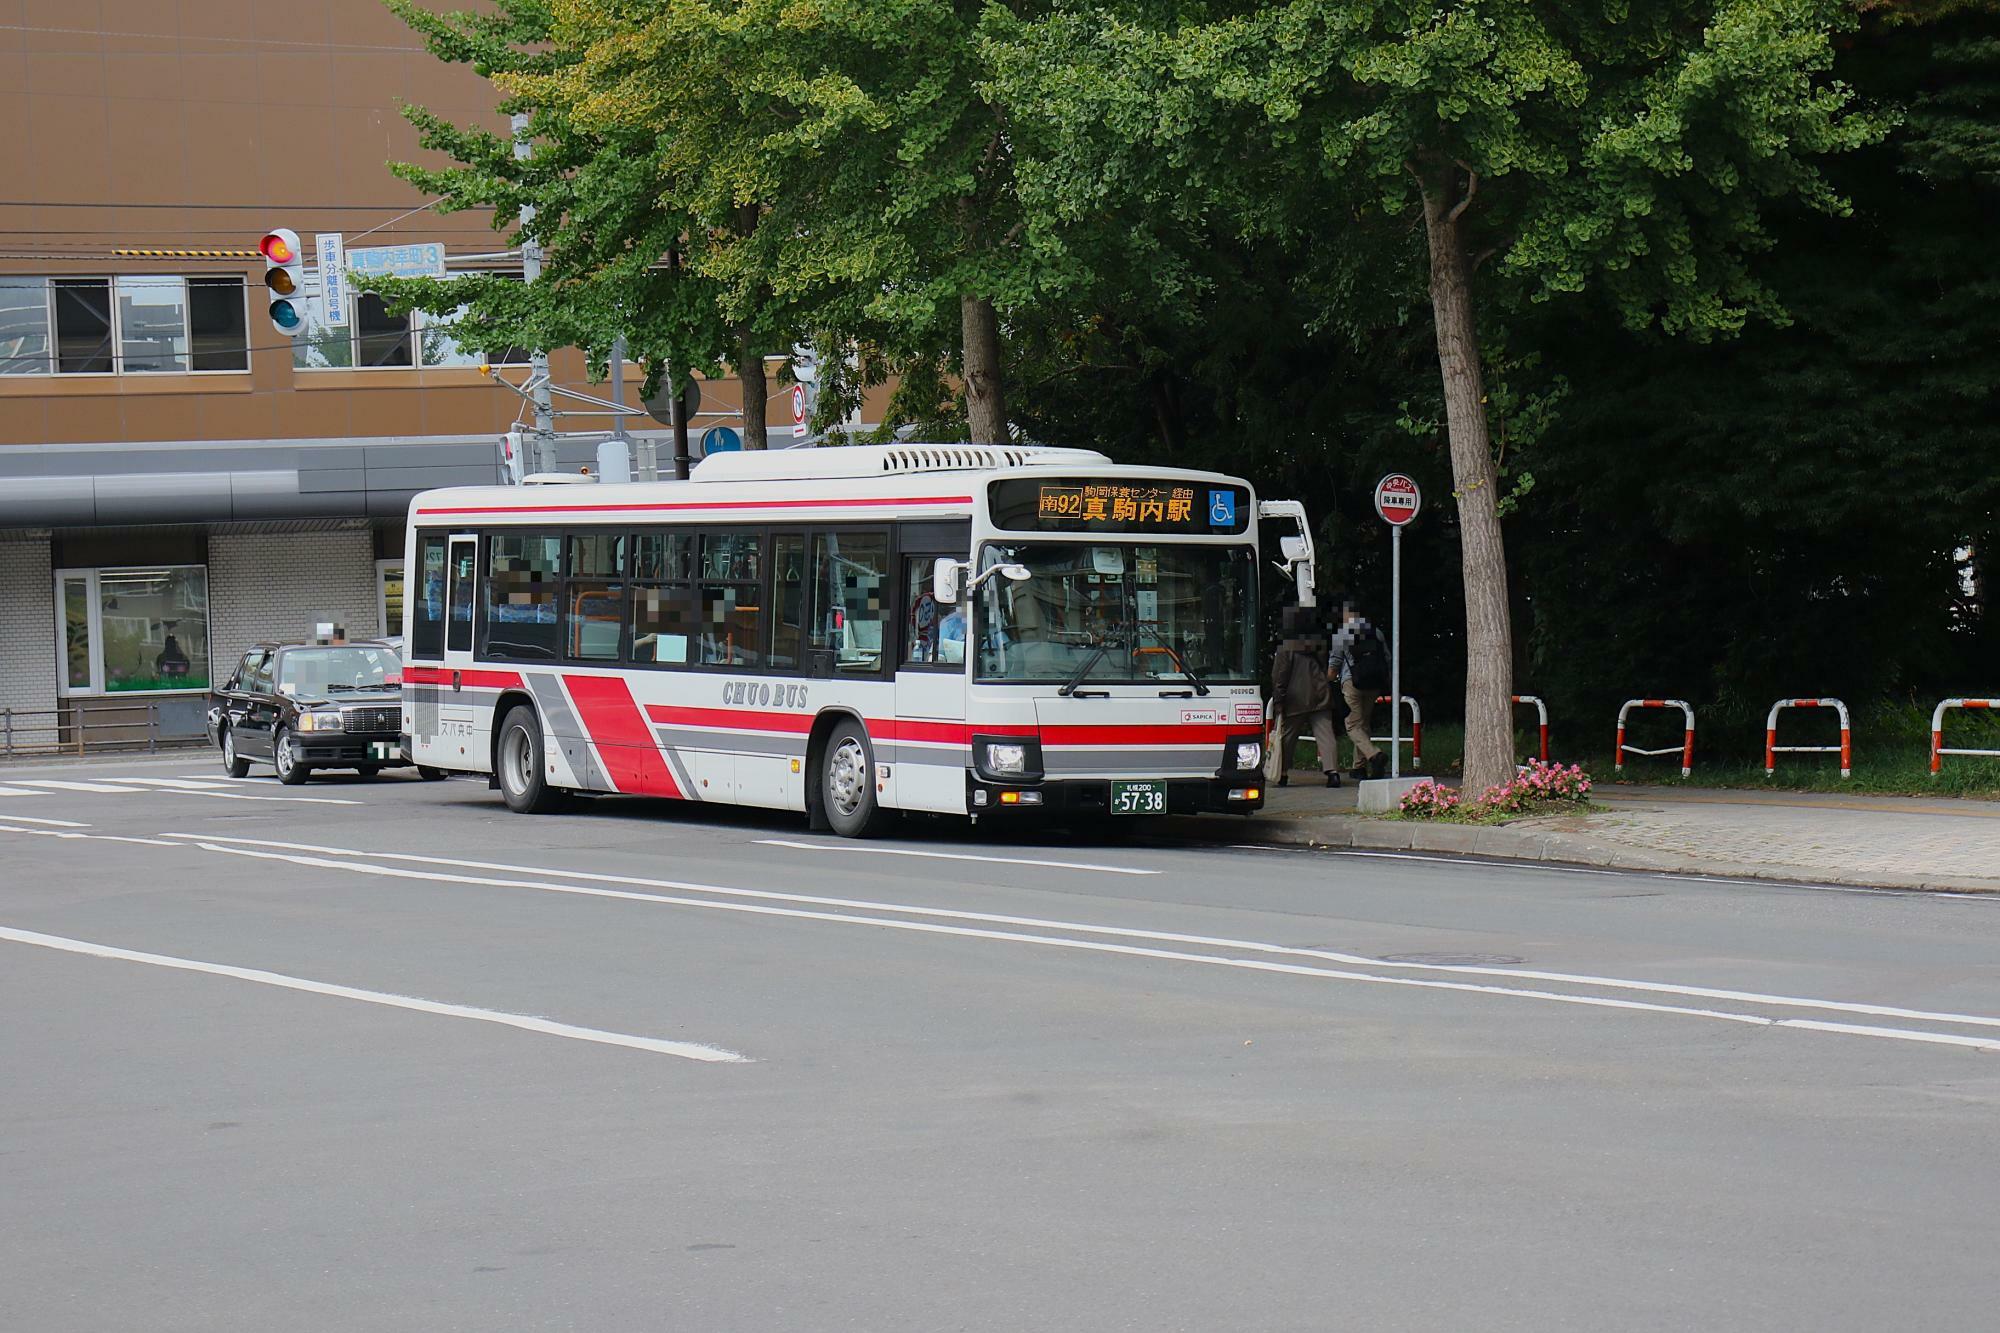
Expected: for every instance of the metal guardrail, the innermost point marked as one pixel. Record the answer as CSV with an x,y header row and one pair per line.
x,y
91,726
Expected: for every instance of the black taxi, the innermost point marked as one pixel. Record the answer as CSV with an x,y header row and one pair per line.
x,y
302,706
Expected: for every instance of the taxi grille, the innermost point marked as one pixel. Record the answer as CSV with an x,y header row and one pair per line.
x,y
371,719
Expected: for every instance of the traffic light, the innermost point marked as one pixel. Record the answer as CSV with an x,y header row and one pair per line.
x,y
285,275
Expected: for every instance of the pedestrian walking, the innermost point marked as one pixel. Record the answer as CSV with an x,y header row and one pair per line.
x,y
1359,663
1302,695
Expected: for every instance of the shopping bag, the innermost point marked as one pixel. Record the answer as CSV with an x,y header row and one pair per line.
x,y
1274,759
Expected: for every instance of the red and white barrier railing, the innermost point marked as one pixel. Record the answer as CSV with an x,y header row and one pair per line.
x,y
1542,712
1415,740
1772,749
1685,749
1938,748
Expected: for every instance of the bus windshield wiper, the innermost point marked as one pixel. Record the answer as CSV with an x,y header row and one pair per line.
x,y
1077,677
1180,663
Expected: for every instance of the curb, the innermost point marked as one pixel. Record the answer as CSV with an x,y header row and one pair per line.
x,y
1526,843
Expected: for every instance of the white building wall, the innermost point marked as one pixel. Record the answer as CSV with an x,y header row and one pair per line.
x,y
271,585
28,660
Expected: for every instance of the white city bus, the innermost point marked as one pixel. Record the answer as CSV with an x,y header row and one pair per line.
x,y
955,629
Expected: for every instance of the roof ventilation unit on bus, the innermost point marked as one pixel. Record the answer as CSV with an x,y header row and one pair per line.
x,y
865,460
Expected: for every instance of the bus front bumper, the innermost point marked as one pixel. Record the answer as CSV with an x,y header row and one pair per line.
x,y
1086,797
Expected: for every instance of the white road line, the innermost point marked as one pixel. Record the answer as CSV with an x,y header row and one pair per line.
x,y
1098,946
180,784
686,1050
244,796
949,856
20,791
86,837
54,784
54,823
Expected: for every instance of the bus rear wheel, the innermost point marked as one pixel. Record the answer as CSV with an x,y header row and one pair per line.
x,y
518,762
847,784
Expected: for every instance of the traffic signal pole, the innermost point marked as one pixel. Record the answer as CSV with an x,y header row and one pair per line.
x,y
531,269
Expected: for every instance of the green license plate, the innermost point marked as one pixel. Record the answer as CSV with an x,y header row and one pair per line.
x,y
385,750
1138,798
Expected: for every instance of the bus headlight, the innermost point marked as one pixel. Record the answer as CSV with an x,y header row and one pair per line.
x,y
1007,758
1249,755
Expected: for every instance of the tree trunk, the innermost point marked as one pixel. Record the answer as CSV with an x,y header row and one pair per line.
x,y
750,374
1489,639
985,404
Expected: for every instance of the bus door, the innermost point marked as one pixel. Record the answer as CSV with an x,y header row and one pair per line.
x,y
930,690
459,727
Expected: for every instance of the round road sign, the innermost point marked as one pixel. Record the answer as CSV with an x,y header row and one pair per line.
x,y
1397,499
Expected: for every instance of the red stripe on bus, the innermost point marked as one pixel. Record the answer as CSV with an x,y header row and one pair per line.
x,y
624,741
742,719
843,503
489,680
1170,734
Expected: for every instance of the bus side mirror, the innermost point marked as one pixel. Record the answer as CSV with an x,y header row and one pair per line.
x,y
945,579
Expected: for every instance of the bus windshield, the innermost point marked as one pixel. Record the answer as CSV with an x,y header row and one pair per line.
x,y
1119,613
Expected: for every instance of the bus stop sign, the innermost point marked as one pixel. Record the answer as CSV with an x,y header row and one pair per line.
x,y
1397,499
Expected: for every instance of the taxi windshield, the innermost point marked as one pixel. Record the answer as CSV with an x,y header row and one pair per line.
x,y
1117,612
316,673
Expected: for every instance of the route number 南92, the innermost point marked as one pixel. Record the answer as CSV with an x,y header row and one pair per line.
x,y
1138,798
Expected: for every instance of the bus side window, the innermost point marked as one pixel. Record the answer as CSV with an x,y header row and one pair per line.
x,y
427,613
851,599
933,633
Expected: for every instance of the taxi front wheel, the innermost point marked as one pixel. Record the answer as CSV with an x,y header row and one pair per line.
x,y
290,771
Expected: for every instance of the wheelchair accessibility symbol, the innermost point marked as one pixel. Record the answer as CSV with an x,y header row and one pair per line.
x,y
1222,509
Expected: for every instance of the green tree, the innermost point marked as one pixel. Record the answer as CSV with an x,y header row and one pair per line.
x,y
1489,156
619,256
847,159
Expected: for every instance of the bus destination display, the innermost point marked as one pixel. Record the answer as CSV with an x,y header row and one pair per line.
x,y
1104,505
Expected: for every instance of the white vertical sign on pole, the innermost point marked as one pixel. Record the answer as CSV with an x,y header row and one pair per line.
x,y
332,278
798,411
1397,501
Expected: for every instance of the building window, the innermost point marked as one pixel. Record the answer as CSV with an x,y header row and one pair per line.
x,y
134,324
389,594
374,339
133,629
217,334
83,325
24,326
152,324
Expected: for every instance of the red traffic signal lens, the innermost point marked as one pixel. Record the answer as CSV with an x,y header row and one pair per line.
x,y
277,249
281,281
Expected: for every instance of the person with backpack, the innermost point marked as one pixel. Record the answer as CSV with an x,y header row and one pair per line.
x,y
1302,696
1359,662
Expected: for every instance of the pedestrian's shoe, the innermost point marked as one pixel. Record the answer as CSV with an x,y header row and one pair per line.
x,y
1333,779
1378,767
1285,781
1360,773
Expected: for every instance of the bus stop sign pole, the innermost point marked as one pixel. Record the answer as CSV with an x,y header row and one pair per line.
x,y
1397,500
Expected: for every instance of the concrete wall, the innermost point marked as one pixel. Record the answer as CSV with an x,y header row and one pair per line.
x,y
269,586
27,632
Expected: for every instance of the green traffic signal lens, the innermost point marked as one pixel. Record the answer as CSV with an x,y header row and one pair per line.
x,y
285,315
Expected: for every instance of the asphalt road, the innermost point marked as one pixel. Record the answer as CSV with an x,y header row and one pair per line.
x,y
365,1056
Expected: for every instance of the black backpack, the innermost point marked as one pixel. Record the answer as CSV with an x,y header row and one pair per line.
x,y
1369,662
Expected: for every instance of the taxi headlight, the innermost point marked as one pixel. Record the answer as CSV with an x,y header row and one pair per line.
x,y
319,722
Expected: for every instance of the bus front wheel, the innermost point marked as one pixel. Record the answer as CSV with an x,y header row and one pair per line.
x,y
517,758
847,783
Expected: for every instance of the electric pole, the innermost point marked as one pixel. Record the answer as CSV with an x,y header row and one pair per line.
x,y
538,360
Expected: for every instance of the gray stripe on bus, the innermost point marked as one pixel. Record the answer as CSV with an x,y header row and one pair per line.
x,y
548,692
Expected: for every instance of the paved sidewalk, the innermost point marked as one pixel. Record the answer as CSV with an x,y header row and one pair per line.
x,y
1833,838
